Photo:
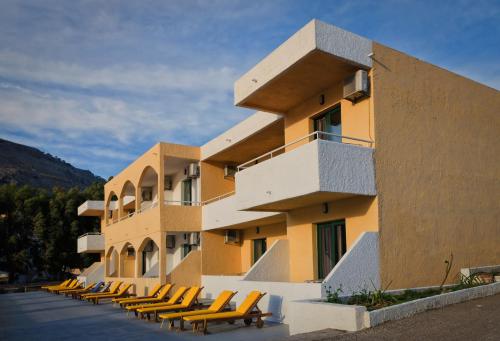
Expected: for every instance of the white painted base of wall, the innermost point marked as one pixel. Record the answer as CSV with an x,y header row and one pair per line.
x,y
311,315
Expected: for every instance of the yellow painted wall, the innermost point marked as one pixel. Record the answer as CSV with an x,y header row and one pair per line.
x,y
360,214
213,182
437,170
271,232
357,119
217,257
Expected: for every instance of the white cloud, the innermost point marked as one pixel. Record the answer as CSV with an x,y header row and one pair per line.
x,y
134,77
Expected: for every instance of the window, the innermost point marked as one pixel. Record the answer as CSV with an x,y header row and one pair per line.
x,y
330,122
186,248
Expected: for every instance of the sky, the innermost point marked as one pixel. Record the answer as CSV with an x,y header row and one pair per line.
x,y
97,83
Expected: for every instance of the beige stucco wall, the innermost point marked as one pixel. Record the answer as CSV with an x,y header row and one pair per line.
x,y
217,257
188,272
437,170
360,214
213,182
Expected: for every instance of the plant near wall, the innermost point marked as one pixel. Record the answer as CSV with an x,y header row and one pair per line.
x,y
448,265
333,296
373,299
468,281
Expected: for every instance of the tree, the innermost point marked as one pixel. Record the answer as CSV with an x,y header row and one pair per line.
x,y
39,229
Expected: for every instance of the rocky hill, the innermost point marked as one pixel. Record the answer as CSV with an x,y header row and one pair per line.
x,y
24,165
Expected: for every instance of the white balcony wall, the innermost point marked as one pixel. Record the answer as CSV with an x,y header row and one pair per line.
x,y
223,213
318,166
90,243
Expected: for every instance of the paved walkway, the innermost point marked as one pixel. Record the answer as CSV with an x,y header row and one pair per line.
x,y
473,320
43,316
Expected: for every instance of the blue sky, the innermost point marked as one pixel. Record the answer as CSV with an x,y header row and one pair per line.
x,y
99,82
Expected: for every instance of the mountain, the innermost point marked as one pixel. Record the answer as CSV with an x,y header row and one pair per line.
x,y
24,165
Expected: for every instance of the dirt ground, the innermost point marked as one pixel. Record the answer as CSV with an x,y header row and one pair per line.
x,y
473,320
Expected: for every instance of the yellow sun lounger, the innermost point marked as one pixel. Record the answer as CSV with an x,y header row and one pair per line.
x,y
156,290
217,305
122,293
247,311
190,298
55,287
62,284
74,285
113,289
173,300
69,291
162,295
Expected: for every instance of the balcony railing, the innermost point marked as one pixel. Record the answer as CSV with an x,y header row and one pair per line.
x,y
312,136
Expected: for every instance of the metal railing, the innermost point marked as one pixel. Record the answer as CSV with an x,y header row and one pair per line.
x,y
182,203
310,137
220,197
89,234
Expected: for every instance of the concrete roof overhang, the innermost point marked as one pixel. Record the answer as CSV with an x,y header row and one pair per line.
x,y
313,59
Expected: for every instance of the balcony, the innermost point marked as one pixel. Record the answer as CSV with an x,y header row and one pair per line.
x,y
221,212
92,242
313,59
314,172
91,208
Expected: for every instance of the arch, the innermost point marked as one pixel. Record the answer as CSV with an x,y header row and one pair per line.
x,y
127,199
148,259
111,208
127,260
112,262
148,188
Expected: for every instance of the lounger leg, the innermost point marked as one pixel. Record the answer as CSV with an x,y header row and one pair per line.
x,y
161,325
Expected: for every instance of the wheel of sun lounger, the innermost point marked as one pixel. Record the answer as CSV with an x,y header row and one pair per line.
x,y
247,322
259,323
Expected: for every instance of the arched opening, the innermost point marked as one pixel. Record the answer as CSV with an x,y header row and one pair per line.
x,y
112,262
127,261
149,256
112,208
149,188
127,199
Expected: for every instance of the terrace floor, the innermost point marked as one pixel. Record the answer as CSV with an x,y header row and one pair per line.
x,y
43,316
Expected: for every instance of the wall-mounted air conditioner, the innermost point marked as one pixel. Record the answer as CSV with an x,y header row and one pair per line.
x,y
193,170
194,238
229,171
170,242
232,237
356,86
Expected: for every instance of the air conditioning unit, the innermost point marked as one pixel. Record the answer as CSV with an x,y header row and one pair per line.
x,y
229,171
194,238
193,170
170,242
356,86
232,237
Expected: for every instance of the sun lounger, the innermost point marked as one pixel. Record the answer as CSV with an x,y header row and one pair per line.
x,y
217,305
113,289
62,284
247,311
122,293
88,287
173,300
100,287
190,298
73,285
67,285
154,292
162,296
85,290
